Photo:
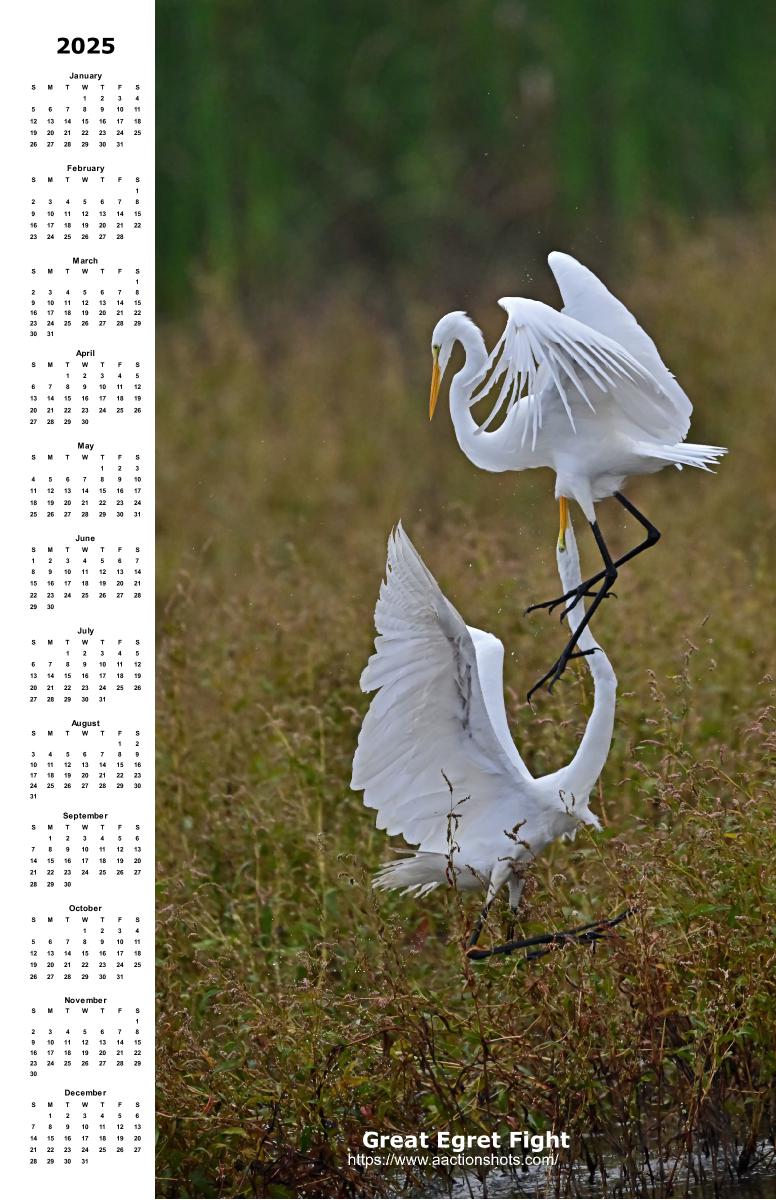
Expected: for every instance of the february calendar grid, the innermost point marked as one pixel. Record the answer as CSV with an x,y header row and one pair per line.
x,y
77,501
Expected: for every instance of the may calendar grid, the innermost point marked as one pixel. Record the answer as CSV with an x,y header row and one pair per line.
x,y
77,502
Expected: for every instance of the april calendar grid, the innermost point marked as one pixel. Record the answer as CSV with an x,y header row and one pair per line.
x,y
77,503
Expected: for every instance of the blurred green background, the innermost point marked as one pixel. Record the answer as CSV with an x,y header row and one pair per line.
x,y
297,140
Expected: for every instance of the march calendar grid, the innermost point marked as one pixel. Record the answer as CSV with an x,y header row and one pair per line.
x,y
77,499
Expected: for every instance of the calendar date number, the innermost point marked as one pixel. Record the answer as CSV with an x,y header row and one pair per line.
x,y
89,45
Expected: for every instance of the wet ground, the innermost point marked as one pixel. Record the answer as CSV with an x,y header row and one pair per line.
x,y
700,1183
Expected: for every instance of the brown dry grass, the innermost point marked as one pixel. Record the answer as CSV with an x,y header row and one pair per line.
x,y
296,1008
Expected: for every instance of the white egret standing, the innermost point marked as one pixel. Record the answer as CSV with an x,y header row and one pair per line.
x,y
587,395
435,756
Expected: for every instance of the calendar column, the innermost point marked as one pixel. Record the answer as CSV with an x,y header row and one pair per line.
x,y
77,504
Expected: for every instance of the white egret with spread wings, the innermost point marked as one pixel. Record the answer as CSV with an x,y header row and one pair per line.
x,y
586,394
435,757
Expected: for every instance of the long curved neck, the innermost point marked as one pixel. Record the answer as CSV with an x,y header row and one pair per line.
x,y
464,382
498,449
589,761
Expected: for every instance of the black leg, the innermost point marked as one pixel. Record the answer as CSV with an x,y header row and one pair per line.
x,y
608,575
653,536
590,933
478,924
576,594
653,533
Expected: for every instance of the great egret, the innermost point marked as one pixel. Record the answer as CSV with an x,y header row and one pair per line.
x,y
435,756
587,395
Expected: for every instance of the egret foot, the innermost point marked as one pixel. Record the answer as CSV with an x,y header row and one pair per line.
x,y
587,587
558,667
609,575
588,934
575,595
606,594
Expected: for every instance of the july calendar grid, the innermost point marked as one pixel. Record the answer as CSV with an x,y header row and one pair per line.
x,y
77,502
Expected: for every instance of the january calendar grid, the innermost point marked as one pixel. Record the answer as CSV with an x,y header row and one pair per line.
x,y
77,322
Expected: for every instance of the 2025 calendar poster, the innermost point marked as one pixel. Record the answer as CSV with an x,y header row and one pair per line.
x,y
389,520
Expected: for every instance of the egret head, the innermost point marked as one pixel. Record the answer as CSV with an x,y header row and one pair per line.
x,y
447,332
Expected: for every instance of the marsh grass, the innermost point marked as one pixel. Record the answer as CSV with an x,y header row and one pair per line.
x,y
296,1007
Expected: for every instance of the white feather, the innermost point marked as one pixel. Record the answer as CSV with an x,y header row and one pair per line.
x,y
435,757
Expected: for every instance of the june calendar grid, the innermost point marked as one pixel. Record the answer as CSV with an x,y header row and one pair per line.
x,y
77,504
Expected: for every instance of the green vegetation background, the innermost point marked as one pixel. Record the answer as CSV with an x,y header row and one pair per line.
x,y
332,179
297,140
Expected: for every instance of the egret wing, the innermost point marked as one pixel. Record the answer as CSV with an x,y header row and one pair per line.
x,y
429,724
588,300
547,358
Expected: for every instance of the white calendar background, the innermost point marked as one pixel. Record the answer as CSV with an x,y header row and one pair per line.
x,y
77,502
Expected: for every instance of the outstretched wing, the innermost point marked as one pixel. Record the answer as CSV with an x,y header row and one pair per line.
x,y
545,357
588,300
429,722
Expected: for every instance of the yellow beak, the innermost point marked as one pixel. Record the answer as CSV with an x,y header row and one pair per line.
x,y
436,379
